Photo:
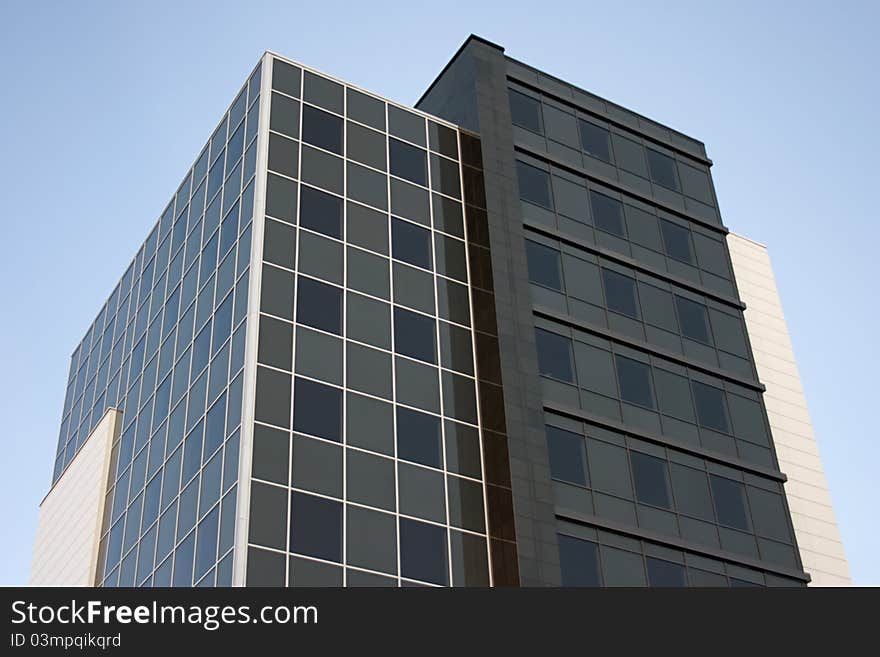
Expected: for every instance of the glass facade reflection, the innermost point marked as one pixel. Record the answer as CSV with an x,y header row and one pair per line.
x,y
167,350
367,463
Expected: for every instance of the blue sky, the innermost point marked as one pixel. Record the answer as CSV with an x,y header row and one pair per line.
x,y
106,104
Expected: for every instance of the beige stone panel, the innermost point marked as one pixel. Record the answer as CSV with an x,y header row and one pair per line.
x,y
69,526
812,515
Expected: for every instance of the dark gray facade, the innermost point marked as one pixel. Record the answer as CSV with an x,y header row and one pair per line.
x,y
640,452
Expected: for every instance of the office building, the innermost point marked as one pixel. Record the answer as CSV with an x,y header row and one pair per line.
x,y
493,340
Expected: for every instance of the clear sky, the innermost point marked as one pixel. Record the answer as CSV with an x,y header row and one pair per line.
x,y
106,105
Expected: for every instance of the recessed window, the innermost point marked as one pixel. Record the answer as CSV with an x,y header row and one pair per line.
x,y
554,355
415,335
544,265
320,212
411,243
423,553
534,185
578,562
317,409
319,305
566,452
693,319
607,213
651,479
408,162
595,140
525,111
677,241
662,169
418,437
316,527
663,573
620,293
730,502
634,378
711,409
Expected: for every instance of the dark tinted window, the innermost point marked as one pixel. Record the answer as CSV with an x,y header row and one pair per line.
x,y
595,140
651,479
319,305
317,409
665,573
534,185
620,293
423,552
662,169
578,562
566,452
316,527
607,213
418,437
693,319
320,212
711,410
408,162
554,355
544,265
415,335
411,243
635,382
730,502
677,241
322,129
526,112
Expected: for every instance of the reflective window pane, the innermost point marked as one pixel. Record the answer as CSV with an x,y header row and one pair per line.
x,y
595,140
554,355
525,111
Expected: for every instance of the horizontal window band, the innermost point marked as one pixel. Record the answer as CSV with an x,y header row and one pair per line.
x,y
634,264
665,441
616,186
537,88
570,321
669,541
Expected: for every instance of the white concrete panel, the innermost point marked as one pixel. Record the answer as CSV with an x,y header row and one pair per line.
x,y
812,514
69,528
